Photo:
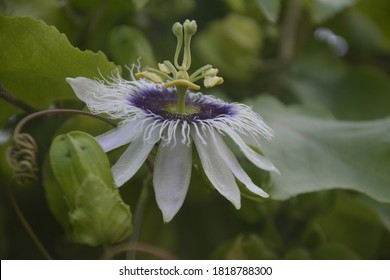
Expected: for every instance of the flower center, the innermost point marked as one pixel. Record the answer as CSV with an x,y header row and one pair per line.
x,y
188,110
161,104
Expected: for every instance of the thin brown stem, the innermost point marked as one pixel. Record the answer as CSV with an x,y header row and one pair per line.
x,y
8,97
94,21
138,215
26,225
62,111
289,29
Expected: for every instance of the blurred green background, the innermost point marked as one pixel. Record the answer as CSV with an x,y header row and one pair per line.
x,y
317,71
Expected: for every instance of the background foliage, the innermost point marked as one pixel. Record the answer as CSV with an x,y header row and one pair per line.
x,y
317,71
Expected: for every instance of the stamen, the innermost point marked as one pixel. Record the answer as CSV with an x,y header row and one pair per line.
x,y
195,76
175,75
170,66
212,81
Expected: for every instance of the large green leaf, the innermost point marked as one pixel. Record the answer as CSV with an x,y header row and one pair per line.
x,y
361,32
350,93
36,59
315,154
382,209
353,224
378,13
325,9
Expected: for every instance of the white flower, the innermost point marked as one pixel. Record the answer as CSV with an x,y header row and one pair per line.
x,y
146,120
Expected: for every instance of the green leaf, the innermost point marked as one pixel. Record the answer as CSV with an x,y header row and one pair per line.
x,y
110,13
362,32
36,59
335,252
52,12
325,9
127,44
166,11
313,236
250,247
74,156
100,216
377,12
315,154
298,254
316,77
232,45
382,209
33,8
270,8
112,9
353,224
6,112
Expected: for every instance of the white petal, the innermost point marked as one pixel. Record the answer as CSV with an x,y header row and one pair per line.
x,y
226,154
216,169
102,98
249,139
84,88
171,177
132,159
257,159
123,134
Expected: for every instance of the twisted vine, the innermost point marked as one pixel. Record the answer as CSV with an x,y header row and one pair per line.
x,y
22,155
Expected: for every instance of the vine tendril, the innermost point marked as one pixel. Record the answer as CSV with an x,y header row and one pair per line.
x,y
22,155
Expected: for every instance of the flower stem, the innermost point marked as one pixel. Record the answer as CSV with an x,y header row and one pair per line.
x,y
289,30
181,100
138,215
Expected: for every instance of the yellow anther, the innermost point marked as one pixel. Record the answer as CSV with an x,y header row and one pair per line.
x,y
163,68
212,81
150,76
